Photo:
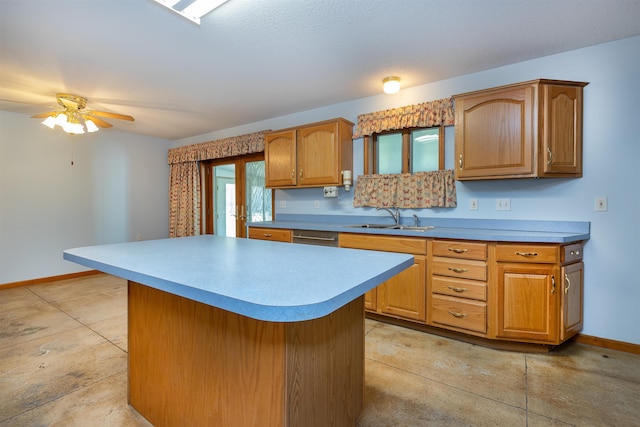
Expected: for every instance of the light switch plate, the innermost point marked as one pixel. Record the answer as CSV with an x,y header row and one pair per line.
x,y
503,204
601,204
473,204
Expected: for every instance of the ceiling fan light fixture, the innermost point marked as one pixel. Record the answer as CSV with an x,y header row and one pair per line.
x,y
50,122
91,127
391,85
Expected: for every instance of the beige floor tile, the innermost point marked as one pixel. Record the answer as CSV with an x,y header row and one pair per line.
x,y
17,298
490,373
62,290
113,329
395,397
585,386
39,371
102,404
31,321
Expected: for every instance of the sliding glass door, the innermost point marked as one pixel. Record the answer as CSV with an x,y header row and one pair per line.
x,y
234,194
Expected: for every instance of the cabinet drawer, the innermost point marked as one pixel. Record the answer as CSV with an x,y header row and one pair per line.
x,y
275,234
527,253
406,245
459,313
571,253
460,249
459,288
463,268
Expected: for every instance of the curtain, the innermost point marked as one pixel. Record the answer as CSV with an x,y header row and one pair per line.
x,y
184,199
427,114
435,189
184,177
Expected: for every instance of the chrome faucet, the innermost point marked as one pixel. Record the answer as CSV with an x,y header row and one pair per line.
x,y
416,221
395,214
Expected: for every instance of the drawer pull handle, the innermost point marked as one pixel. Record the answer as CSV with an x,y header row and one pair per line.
x,y
553,285
458,270
526,254
457,250
566,278
268,234
454,289
458,315
575,252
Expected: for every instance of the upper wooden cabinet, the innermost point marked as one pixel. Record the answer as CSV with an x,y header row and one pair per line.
x,y
526,130
313,155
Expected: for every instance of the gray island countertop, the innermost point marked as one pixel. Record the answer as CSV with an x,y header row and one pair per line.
x,y
269,281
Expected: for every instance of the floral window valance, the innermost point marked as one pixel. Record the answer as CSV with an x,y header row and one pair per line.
x,y
427,114
435,189
220,148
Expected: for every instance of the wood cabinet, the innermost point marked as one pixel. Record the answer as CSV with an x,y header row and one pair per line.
x,y
526,130
402,296
503,291
313,155
274,234
539,292
457,286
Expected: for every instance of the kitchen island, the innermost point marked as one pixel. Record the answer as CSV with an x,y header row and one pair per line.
x,y
236,332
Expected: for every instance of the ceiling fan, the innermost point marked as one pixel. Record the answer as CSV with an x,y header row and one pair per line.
x,y
74,118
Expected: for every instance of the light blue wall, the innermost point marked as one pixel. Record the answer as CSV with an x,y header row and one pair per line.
x,y
611,158
116,189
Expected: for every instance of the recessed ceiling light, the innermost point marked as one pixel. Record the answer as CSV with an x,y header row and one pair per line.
x,y
195,10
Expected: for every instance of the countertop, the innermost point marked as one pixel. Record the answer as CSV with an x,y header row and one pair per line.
x,y
264,280
444,228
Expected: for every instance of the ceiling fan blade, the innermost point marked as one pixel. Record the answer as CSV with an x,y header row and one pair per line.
x,y
43,115
99,122
112,115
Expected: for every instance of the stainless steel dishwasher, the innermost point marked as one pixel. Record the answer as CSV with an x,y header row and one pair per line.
x,y
314,237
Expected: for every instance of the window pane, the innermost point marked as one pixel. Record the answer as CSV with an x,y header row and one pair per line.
x,y
389,153
424,150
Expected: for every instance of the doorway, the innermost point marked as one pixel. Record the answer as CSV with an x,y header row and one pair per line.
x,y
234,194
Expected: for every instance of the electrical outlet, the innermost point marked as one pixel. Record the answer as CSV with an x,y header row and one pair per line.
x,y
503,204
283,204
316,204
601,204
330,191
473,204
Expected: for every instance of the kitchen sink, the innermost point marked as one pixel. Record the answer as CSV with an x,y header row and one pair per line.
x,y
392,227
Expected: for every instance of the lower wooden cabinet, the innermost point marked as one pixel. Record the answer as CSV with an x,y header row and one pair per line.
x,y
402,296
518,292
539,297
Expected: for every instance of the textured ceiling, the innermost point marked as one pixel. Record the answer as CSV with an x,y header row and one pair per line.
x,y
252,60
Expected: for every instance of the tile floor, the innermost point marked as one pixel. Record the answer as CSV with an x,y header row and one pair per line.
x,y
63,362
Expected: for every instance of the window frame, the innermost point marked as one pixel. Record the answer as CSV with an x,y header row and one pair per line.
x,y
370,153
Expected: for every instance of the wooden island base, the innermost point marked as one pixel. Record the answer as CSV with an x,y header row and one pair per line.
x,y
197,365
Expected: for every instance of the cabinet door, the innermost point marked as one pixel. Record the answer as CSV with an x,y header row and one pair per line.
x,y
494,134
280,159
404,294
371,300
528,302
572,299
318,162
561,112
